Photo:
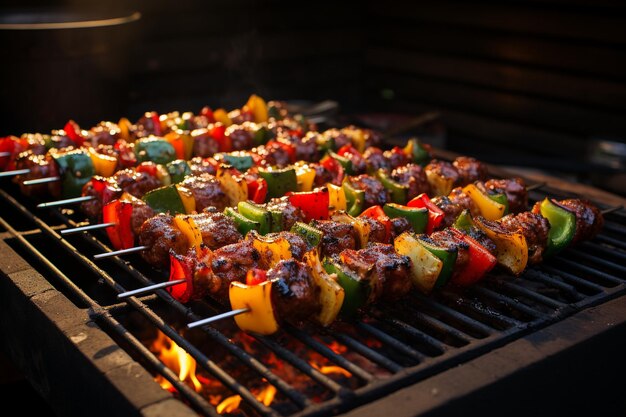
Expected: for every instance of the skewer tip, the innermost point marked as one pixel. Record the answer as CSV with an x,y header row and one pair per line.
x,y
217,317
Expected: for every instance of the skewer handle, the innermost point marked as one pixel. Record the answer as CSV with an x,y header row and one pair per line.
x,y
66,201
14,172
222,316
120,252
86,228
150,288
41,180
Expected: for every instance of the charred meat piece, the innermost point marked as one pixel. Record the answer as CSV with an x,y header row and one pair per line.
x,y
340,138
323,176
387,271
442,169
40,166
207,192
399,225
241,136
232,262
414,177
216,228
104,133
359,165
294,294
457,196
469,170
336,236
160,235
451,210
199,165
375,193
306,147
375,159
273,154
396,158
135,183
291,214
378,233
514,189
446,239
141,212
203,143
479,236
535,229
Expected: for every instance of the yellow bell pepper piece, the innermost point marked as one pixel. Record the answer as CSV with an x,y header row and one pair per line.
x,y
188,227
235,187
336,198
124,125
258,107
489,209
186,196
357,137
511,248
331,293
425,267
362,227
258,298
272,249
439,184
221,116
305,175
103,164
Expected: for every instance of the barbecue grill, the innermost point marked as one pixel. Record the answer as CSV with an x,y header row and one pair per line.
x,y
500,343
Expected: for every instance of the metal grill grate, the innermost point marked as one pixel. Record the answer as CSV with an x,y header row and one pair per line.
x,y
397,345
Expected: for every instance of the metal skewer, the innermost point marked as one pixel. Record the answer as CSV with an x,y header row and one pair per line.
x,y
5,154
66,201
150,288
86,228
14,172
222,316
120,252
41,180
535,186
611,210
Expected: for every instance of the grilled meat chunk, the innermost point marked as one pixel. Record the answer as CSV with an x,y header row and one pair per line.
x,y
323,176
446,239
104,133
336,236
291,214
375,193
241,136
216,228
294,294
387,272
514,189
199,166
273,154
469,170
399,225
589,219
203,143
41,166
375,159
414,177
457,196
207,192
535,229
232,262
442,169
451,210
140,213
396,158
160,236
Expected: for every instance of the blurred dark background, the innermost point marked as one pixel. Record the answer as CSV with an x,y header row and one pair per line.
x,y
539,83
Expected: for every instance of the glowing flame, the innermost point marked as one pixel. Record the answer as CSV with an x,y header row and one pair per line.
x,y
175,358
331,369
231,404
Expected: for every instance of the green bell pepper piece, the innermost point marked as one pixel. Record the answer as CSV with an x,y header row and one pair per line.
x,y
279,181
357,289
154,149
239,160
464,222
178,170
165,200
257,214
273,112
76,169
311,235
325,144
562,226
398,191
501,199
344,162
243,224
262,135
354,199
277,221
419,153
417,217
446,255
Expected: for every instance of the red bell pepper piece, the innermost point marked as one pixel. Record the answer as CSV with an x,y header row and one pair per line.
x,y
255,276
7,145
156,123
257,189
72,130
218,132
334,167
314,204
148,167
106,191
126,155
435,214
480,261
208,113
119,212
181,267
377,213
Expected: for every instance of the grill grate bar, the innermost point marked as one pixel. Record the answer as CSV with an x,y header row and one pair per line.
x,y
480,310
591,271
611,241
301,364
391,341
614,227
507,301
470,322
540,298
607,252
440,326
367,352
612,265
569,289
330,354
416,334
591,286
